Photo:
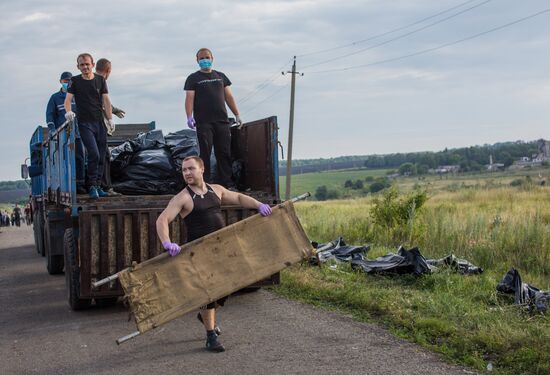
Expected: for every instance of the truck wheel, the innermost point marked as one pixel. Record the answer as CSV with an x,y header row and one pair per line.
x,y
38,233
72,273
106,302
55,264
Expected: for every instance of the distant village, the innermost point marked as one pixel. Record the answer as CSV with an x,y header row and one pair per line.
x,y
534,160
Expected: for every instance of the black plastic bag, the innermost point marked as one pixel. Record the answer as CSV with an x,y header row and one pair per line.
x,y
338,250
462,265
524,294
404,262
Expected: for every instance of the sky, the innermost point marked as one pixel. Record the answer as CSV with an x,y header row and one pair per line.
x,y
379,76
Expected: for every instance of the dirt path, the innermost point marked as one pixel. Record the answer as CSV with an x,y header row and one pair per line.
x,y
263,333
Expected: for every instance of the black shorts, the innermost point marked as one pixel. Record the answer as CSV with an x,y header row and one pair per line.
x,y
215,304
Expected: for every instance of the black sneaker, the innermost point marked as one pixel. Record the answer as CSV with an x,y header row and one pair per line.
x,y
216,327
213,345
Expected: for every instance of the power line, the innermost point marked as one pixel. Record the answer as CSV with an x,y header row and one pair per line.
x,y
438,47
267,98
402,35
264,84
386,32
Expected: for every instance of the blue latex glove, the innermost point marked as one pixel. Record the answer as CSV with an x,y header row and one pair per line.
x,y
264,209
172,248
191,122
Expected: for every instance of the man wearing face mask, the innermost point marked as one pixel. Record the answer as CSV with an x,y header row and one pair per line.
x,y
206,93
55,117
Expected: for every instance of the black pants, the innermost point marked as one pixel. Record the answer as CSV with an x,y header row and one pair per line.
x,y
94,138
106,182
79,160
217,134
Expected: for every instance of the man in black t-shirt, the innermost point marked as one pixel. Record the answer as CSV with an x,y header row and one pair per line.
x,y
206,93
91,97
199,205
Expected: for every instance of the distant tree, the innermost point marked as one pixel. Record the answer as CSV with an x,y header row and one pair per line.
x,y
357,185
407,169
321,193
369,178
376,187
332,194
422,168
348,184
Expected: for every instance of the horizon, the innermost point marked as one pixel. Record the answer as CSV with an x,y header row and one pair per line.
x,y
390,153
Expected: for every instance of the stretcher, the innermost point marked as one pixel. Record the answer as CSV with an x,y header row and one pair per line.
x,y
164,288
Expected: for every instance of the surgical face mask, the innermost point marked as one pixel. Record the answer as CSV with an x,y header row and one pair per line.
x,y
64,86
205,63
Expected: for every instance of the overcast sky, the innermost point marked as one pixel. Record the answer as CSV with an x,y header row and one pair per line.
x,y
495,87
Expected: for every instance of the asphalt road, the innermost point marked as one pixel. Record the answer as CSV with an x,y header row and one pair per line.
x,y
262,333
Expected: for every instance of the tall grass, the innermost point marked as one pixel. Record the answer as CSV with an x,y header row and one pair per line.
x,y
493,226
496,228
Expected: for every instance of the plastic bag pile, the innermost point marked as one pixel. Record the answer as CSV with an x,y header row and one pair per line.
x,y
151,163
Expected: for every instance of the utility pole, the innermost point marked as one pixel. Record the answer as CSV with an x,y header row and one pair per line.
x,y
290,128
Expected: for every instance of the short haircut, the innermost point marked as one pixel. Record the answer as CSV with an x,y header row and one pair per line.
x,y
196,158
85,54
204,49
102,65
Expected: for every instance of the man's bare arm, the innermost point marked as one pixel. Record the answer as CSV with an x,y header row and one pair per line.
x,y
108,107
176,205
67,103
232,197
230,100
189,100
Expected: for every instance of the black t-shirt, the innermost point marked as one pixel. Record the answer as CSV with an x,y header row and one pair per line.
x,y
209,104
88,95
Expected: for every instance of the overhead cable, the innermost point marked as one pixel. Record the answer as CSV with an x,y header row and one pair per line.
x,y
400,36
435,48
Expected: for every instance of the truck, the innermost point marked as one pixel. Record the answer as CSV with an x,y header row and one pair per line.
x,y
91,239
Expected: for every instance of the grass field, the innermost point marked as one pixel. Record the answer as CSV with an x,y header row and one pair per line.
x,y
335,180
481,218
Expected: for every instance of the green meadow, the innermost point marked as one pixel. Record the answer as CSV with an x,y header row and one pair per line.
x,y
494,220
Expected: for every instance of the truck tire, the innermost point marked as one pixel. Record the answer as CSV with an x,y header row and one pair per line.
x,y
106,302
38,229
72,273
55,264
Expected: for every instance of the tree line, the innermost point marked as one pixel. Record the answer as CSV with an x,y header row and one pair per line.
x,y
471,158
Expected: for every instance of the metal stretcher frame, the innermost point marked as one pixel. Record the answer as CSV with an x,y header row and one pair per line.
x,y
164,288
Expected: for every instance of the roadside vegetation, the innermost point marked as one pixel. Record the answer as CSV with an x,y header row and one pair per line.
x,y
495,221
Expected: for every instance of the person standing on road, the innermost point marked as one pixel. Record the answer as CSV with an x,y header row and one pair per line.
x,y
17,215
199,205
55,117
91,96
206,93
103,68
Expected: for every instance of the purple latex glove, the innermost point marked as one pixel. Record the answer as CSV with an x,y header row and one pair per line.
x,y
191,122
172,248
264,209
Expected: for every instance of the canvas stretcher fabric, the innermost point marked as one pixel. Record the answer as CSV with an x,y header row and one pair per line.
x,y
164,288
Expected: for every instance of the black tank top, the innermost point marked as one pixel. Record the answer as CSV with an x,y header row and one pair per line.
x,y
206,216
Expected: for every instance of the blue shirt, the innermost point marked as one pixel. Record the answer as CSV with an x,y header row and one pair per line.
x,y
55,111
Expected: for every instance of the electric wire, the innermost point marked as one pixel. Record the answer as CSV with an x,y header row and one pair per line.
x,y
437,47
247,111
264,84
386,32
400,36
